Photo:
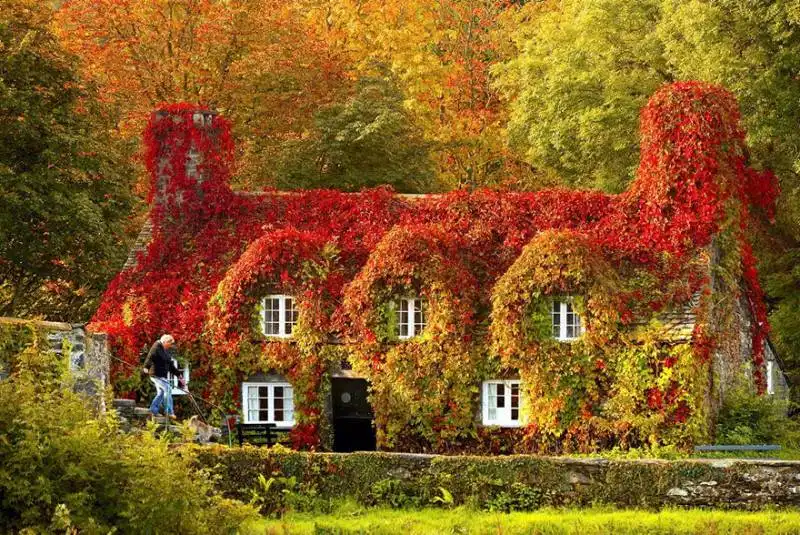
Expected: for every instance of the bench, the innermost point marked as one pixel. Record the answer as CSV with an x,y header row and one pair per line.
x,y
260,434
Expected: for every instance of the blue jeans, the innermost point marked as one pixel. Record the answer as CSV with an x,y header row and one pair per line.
x,y
163,394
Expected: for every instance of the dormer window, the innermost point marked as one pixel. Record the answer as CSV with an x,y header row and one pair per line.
x,y
566,321
410,317
279,315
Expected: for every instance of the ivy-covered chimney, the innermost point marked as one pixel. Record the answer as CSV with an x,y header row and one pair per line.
x,y
188,156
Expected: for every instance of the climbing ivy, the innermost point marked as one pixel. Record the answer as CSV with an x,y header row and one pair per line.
x,y
489,265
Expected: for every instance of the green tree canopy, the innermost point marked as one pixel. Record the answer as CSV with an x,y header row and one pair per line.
x,y
365,141
64,190
585,68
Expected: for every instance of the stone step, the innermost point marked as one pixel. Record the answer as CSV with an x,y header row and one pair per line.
x,y
125,408
142,414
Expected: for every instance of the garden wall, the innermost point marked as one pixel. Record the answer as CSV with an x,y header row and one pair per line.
x,y
518,482
87,354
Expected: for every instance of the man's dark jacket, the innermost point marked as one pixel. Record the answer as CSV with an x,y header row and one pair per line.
x,y
160,359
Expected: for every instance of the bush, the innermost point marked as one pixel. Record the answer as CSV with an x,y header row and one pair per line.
x,y
63,469
518,497
747,418
393,493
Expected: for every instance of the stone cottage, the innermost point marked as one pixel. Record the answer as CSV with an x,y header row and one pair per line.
x,y
471,321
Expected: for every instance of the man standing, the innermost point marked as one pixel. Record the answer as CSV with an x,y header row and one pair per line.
x,y
158,358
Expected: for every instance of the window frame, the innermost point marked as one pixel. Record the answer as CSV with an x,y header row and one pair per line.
x,y
247,385
563,304
413,328
283,321
502,419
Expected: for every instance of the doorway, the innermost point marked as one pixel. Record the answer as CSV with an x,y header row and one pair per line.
x,y
352,416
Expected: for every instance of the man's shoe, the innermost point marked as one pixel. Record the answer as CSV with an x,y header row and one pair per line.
x,y
172,417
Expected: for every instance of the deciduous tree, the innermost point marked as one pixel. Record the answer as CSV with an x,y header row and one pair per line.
x,y
64,190
585,68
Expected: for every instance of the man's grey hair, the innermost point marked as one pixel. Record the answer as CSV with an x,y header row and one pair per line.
x,y
167,339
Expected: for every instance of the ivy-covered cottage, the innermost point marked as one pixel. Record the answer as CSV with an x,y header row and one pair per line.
x,y
480,321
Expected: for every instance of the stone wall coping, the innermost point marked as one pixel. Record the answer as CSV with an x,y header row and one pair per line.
x,y
54,325
589,461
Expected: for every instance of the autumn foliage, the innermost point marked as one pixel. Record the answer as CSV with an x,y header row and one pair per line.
x,y
485,261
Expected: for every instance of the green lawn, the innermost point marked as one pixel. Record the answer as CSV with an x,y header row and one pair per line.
x,y
595,521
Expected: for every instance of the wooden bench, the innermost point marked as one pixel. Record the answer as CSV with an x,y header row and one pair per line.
x,y
260,434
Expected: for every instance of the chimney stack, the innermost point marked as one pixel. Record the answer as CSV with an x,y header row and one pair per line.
x,y
188,156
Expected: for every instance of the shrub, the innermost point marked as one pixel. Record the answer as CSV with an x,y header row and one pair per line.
x,y
518,497
391,492
62,468
748,418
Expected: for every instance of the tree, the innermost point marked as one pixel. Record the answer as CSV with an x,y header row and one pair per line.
x,y
259,62
582,74
64,190
441,53
585,68
366,141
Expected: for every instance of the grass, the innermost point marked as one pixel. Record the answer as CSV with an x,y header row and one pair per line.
x,y
353,519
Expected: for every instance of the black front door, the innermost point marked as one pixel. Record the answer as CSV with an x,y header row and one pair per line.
x,y
352,416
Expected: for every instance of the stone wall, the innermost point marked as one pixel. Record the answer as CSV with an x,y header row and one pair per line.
x,y
88,353
558,481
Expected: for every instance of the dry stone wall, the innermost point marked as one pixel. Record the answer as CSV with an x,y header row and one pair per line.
x,y
88,353
557,481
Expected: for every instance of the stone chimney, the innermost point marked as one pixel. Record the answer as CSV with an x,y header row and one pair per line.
x,y
188,156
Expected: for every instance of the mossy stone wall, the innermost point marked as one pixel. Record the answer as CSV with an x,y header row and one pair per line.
x,y
739,484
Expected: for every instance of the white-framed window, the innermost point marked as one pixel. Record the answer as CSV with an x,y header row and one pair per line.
x,y
501,403
278,315
566,321
770,379
410,317
268,403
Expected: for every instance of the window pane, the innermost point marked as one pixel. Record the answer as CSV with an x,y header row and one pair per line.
x,y
419,315
291,315
515,401
272,316
278,403
288,403
404,331
556,319
491,401
262,403
573,322
501,395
